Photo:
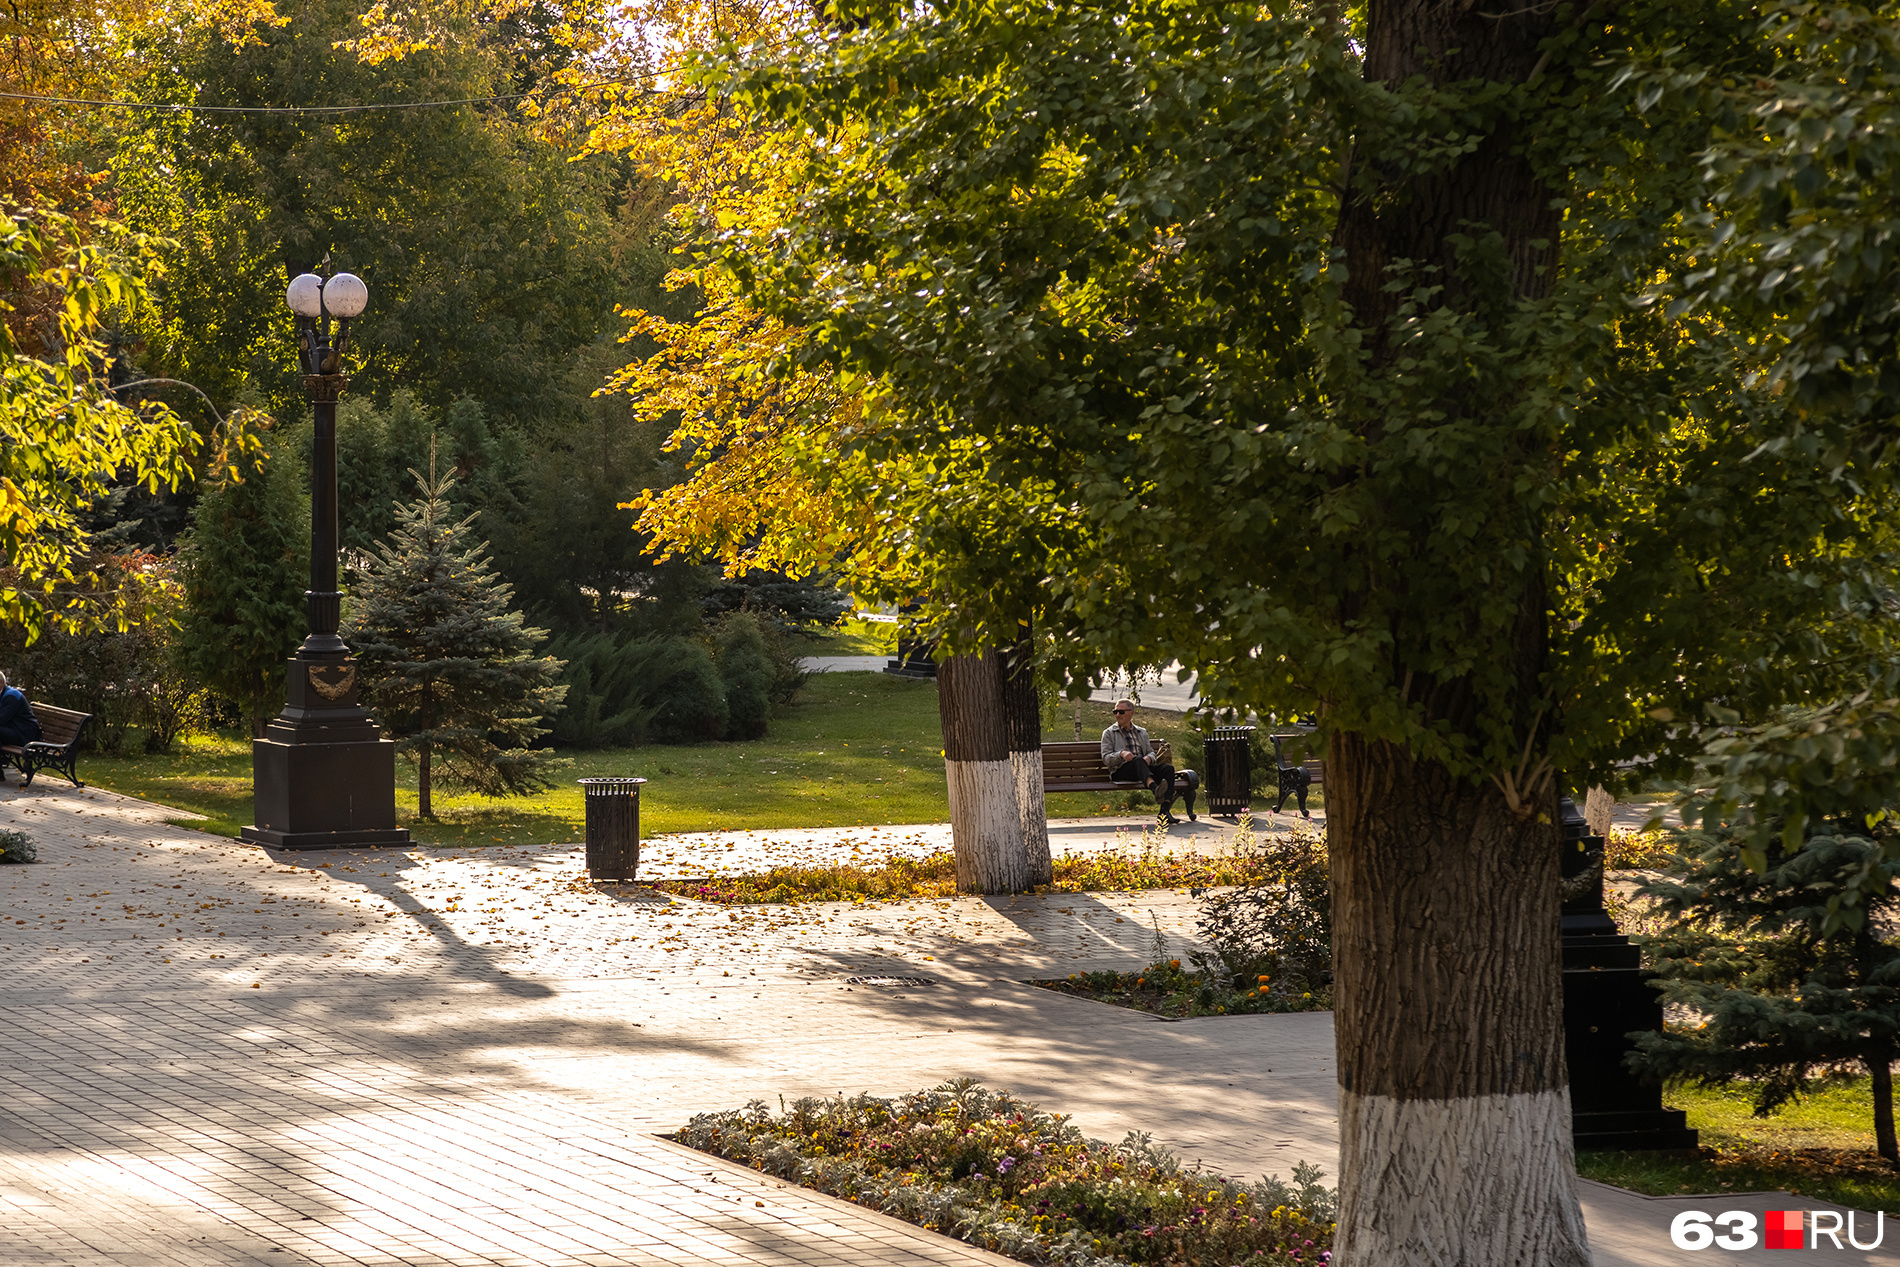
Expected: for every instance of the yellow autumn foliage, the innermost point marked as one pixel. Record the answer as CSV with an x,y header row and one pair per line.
x,y
761,441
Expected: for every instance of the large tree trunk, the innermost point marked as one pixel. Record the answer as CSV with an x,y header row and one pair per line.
x,y
1023,711
986,825
424,806
1455,1143
1454,1108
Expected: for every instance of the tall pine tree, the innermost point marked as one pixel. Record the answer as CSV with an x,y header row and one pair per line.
x,y
244,565
450,670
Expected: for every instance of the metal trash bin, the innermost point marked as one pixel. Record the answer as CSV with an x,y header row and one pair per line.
x,y
1229,775
613,827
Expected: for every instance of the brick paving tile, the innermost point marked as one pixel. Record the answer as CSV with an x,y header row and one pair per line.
x,y
451,1056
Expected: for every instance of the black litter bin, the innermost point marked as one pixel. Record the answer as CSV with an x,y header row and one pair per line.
x,y
1229,780
613,827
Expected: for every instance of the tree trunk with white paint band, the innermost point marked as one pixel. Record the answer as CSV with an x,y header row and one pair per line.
x,y
1455,1140
986,826
1448,990
1443,1190
1023,712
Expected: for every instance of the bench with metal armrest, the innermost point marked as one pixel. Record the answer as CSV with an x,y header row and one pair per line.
x,y
1077,767
56,749
1296,777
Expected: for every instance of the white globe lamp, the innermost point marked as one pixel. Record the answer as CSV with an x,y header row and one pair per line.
x,y
345,295
305,296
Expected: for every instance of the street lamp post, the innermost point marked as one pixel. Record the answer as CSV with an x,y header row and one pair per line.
x,y
323,775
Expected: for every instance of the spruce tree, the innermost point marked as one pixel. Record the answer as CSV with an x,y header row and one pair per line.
x,y
449,668
244,565
1783,1000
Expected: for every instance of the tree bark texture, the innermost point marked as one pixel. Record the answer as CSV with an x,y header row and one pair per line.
x,y
1449,41
1023,710
986,826
423,805
1880,1071
1455,1141
1448,990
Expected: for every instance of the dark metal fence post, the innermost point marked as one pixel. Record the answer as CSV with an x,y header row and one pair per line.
x,y
613,827
1229,771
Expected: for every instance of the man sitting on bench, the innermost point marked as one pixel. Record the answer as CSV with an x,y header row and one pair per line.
x,y
1130,758
18,726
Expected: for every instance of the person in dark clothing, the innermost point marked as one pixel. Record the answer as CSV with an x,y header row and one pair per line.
x,y
18,726
1130,758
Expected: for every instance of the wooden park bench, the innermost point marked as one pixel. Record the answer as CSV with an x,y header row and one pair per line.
x,y
56,749
1077,767
1295,779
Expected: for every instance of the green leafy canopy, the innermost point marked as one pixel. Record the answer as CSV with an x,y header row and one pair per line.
x,y
1084,265
64,438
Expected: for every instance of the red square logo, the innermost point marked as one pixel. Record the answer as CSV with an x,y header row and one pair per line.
x,y
1784,1229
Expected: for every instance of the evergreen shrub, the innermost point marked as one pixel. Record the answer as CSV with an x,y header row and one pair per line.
x,y
17,846
689,698
608,679
626,689
748,675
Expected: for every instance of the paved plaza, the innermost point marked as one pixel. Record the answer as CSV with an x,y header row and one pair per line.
x,y
210,1054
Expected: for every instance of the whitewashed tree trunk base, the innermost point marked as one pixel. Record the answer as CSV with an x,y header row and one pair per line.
x,y
1481,1182
1026,771
987,827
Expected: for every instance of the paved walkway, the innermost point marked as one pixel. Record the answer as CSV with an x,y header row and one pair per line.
x,y
214,1055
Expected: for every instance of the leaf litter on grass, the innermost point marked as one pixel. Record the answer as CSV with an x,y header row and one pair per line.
x,y
934,875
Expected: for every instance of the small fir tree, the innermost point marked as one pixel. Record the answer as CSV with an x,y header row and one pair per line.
x,y
450,670
1783,1001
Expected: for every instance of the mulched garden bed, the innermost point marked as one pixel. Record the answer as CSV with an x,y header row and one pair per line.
x,y
1000,1174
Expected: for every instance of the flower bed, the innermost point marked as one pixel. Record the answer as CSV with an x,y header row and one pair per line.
x,y
935,875
1166,990
1001,1174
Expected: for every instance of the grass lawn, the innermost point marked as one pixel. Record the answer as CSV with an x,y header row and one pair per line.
x,y
1822,1147
854,636
856,748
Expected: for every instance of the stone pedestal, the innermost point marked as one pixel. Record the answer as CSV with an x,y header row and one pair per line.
x,y
325,778
1606,997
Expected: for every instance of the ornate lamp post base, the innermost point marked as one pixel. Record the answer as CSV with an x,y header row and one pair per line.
x,y
324,776
1607,997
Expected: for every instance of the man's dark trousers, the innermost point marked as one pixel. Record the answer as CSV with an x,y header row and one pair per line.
x,y
1138,770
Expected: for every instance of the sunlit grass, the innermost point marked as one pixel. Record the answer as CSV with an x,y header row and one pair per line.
x,y
857,749
1822,1147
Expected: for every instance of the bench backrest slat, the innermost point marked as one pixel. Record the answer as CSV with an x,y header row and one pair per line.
x,y
1068,762
58,725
